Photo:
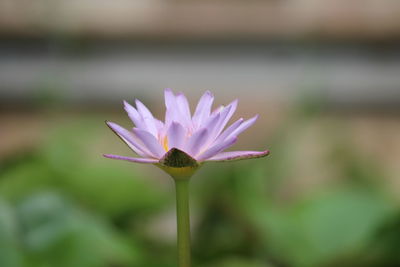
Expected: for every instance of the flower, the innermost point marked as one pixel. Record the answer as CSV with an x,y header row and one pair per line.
x,y
183,140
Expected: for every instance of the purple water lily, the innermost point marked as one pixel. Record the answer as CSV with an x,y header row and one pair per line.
x,y
181,144
202,137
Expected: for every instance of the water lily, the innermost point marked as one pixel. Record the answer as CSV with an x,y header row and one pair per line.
x,y
181,144
200,138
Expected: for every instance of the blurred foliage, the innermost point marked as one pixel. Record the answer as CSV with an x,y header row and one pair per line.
x,y
61,205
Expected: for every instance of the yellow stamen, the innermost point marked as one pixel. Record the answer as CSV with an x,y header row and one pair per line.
x,y
165,143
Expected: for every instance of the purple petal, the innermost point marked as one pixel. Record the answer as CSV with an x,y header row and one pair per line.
x,y
217,110
229,130
217,148
134,115
137,160
176,136
211,125
169,98
243,126
238,155
159,125
184,109
169,116
203,109
226,114
129,139
147,117
170,105
196,142
150,142
231,109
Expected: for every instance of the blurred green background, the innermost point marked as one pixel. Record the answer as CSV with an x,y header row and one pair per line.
x,y
323,75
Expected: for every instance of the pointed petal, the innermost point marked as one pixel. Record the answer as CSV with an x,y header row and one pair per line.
x,y
170,105
169,98
244,126
150,142
129,139
229,130
134,115
238,155
216,129
217,110
176,136
231,109
212,126
196,142
203,109
169,116
184,109
147,117
159,124
137,160
216,149
226,114
161,129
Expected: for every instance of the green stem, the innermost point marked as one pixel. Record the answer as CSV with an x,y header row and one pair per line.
x,y
183,221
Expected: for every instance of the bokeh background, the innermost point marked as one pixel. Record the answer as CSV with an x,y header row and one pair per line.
x,y
324,75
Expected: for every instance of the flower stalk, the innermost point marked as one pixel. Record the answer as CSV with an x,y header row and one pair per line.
x,y
183,222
